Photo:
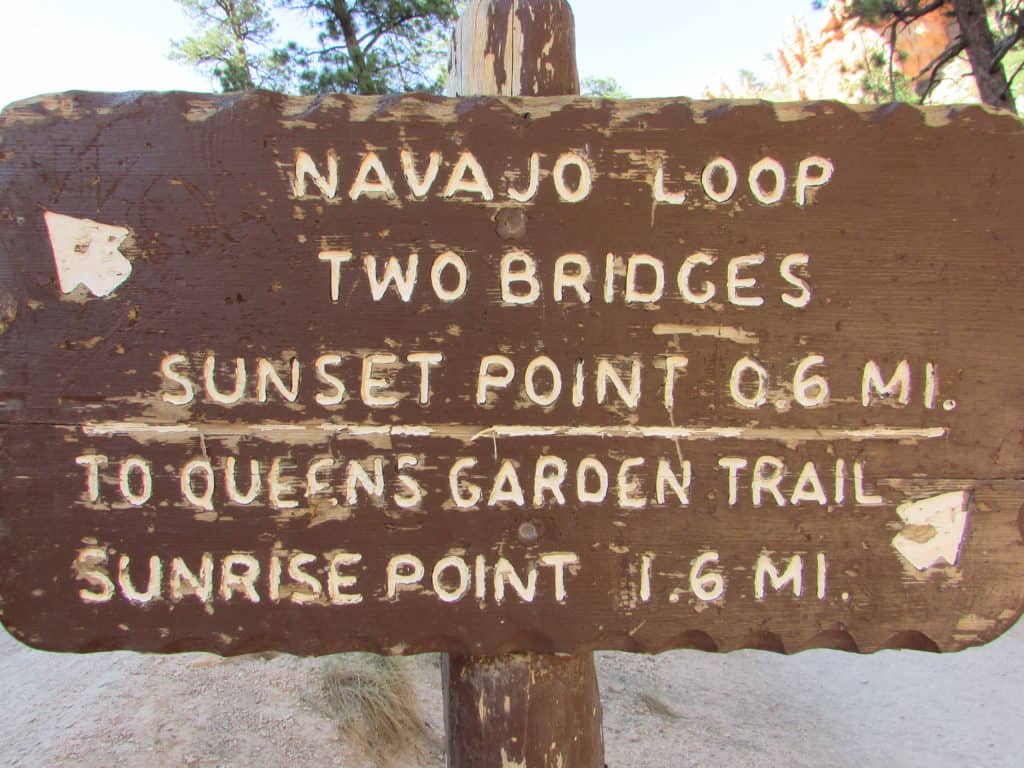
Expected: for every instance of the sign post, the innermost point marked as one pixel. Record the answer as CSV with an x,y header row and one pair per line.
x,y
509,378
525,708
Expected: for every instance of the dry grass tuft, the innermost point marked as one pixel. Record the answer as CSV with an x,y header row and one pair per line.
x,y
372,700
658,707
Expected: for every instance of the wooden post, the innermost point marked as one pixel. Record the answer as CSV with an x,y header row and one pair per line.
x,y
514,48
529,710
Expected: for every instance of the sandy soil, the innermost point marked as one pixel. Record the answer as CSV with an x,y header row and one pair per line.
x,y
820,708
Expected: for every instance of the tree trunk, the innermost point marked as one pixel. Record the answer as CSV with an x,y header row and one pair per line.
x,y
343,14
981,46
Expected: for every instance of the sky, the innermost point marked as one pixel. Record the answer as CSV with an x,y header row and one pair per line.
x,y
652,47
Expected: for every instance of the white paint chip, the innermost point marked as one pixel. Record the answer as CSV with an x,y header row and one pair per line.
x,y
946,514
725,332
85,252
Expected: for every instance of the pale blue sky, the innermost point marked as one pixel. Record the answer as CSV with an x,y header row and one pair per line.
x,y
653,47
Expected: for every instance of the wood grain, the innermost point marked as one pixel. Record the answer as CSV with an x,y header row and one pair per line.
x,y
913,253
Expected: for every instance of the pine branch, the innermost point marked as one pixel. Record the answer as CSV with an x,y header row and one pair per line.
x,y
1004,47
954,49
385,28
1009,82
907,15
892,57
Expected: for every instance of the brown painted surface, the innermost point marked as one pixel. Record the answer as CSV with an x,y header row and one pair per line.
x,y
914,254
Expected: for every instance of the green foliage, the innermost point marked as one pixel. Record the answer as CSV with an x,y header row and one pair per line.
x,y
753,87
602,88
363,46
231,43
1005,25
1014,63
880,84
373,46
876,11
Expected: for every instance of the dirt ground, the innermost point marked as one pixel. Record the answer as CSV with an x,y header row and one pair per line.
x,y
820,708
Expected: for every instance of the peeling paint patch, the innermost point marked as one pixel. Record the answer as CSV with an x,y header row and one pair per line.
x,y
8,312
737,335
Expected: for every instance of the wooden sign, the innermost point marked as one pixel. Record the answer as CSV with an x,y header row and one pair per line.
x,y
410,374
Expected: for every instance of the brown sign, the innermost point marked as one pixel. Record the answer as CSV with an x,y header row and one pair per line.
x,y
404,374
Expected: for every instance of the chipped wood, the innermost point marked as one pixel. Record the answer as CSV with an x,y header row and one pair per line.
x,y
913,254
523,709
514,48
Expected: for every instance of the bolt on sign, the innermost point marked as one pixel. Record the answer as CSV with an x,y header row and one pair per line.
x,y
552,374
